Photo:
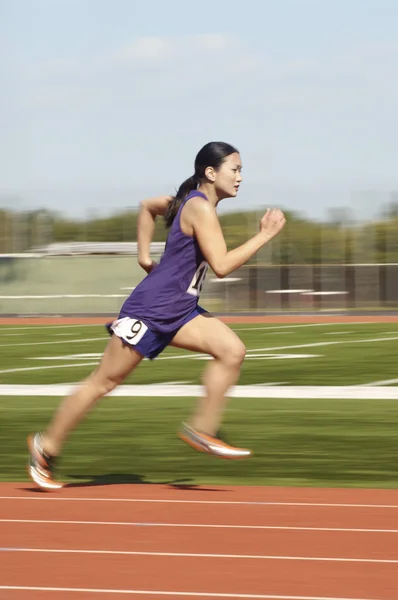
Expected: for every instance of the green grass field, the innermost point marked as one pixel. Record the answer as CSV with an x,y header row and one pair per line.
x,y
312,442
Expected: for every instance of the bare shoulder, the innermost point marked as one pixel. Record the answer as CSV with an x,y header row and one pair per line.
x,y
196,210
198,207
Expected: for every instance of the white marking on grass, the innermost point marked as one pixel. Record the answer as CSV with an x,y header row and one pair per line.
x,y
319,344
43,367
260,356
281,356
240,391
171,593
282,332
274,327
25,327
169,383
63,334
390,561
54,296
254,353
11,334
271,383
88,355
196,526
337,332
376,383
79,340
249,356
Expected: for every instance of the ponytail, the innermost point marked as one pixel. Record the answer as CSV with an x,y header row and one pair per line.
x,y
185,188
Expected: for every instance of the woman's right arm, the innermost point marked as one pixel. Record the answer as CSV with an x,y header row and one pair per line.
x,y
208,232
149,210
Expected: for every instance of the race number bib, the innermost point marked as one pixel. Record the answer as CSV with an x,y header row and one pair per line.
x,y
130,330
195,287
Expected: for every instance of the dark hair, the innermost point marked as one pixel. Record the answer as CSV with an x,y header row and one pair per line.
x,y
213,155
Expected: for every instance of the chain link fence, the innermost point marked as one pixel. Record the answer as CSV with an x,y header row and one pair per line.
x,y
324,268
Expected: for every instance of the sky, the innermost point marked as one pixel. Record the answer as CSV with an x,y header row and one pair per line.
x,y
106,102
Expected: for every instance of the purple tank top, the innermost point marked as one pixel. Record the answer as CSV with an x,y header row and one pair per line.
x,y
167,295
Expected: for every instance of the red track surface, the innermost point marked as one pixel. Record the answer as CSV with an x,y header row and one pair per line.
x,y
273,554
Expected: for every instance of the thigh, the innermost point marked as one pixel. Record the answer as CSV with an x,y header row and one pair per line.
x,y
117,362
209,335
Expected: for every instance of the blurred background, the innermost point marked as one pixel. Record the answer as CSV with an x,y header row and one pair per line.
x,y
106,103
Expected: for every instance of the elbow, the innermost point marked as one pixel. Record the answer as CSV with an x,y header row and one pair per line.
x,y
144,204
220,272
146,207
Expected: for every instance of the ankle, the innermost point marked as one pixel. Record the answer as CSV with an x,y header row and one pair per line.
x,y
49,448
202,427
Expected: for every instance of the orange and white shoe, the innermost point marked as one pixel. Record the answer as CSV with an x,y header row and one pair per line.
x,y
211,444
41,466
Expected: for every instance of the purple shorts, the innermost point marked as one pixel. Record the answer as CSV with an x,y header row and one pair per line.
x,y
135,333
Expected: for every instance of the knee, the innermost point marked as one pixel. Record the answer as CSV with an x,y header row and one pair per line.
x,y
105,385
234,354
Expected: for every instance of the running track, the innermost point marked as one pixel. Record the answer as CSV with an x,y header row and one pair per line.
x,y
154,542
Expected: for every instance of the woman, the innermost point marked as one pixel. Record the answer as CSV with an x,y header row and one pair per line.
x,y
163,309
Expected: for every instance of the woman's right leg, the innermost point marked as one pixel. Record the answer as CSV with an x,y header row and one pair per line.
x,y
117,362
209,335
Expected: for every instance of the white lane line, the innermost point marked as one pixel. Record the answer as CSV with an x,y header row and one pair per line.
x,y
201,555
197,525
53,498
321,392
172,593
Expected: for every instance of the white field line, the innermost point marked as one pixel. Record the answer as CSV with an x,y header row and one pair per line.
x,y
337,332
258,356
41,368
280,332
53,296
203,555
76,341
198,526
45,327
382,382
273,327
297,346
53,498
18,334
171,593
318,344
266,349
265,327
270,383
57,334
97,355
193,391
201,356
